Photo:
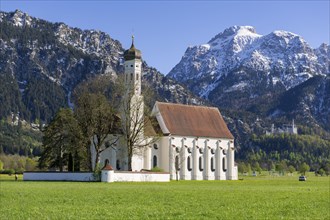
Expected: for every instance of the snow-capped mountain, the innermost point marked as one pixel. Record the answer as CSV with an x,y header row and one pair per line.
x,y
42,62
240,60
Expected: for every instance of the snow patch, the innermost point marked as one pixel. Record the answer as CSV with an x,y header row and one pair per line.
x,y
238,86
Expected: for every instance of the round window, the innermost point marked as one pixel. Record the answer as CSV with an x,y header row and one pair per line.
x,y
155,146
201,150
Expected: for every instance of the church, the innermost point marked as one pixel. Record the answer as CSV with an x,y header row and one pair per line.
x,y
194,142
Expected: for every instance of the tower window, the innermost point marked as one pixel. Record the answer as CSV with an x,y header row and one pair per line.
x,y
131,65
137,77
131,76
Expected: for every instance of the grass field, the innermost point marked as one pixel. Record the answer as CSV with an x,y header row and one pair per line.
x,y
251,198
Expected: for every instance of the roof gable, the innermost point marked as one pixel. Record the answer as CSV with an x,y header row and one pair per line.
x,y
188,120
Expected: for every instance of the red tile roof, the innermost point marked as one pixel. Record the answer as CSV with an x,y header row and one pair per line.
x,y
196,121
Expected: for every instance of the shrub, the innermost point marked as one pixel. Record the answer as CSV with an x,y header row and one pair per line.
x,y
157,169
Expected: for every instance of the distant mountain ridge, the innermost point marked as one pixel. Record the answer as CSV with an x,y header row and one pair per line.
x,y
43,62
240,69
282,60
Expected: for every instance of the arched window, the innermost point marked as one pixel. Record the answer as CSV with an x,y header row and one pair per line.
x,y
117,164
201,167
154,161
189,167
106,162
224,164
212,164
177,163
137,77
131,76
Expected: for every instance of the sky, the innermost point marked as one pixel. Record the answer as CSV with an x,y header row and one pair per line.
x,y
163,30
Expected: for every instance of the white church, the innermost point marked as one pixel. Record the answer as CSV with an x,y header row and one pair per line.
x,y
194,142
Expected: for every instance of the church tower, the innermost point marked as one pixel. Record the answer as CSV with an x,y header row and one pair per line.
x,y
133,111
133,66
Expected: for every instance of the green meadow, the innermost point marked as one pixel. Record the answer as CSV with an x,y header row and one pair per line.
x,y
252,198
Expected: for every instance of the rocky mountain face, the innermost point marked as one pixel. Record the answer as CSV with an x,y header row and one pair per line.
x,y
42,62
240,69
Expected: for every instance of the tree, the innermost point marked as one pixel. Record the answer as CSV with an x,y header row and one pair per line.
x,y
61,138
97,120
242,167
304,168
291,169
256,167
321,172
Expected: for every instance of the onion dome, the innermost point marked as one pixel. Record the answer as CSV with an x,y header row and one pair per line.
x,y
132,53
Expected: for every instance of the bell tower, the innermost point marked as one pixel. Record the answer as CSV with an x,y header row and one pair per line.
x,y
133,109
133,66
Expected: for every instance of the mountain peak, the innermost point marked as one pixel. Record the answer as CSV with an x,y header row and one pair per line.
x,y
240,30
18,18
282,33
236,31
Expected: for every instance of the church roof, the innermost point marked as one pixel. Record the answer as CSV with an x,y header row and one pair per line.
x,y
196,121
132,53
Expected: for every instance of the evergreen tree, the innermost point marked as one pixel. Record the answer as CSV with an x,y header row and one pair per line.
x,y
61,138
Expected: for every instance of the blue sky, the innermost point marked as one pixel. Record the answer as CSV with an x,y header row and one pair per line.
x,y
164,29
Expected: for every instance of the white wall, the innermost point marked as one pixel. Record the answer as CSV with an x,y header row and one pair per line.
x,y
58,176
111,176
218,149
88,177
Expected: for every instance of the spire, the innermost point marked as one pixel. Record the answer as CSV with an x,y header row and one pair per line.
x,y
132,41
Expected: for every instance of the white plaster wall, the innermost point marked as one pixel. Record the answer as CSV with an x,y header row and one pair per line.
x,y
58,176
164,148
137,162
140,177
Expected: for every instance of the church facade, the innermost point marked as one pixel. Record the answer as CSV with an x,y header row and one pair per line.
x,y
194,142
